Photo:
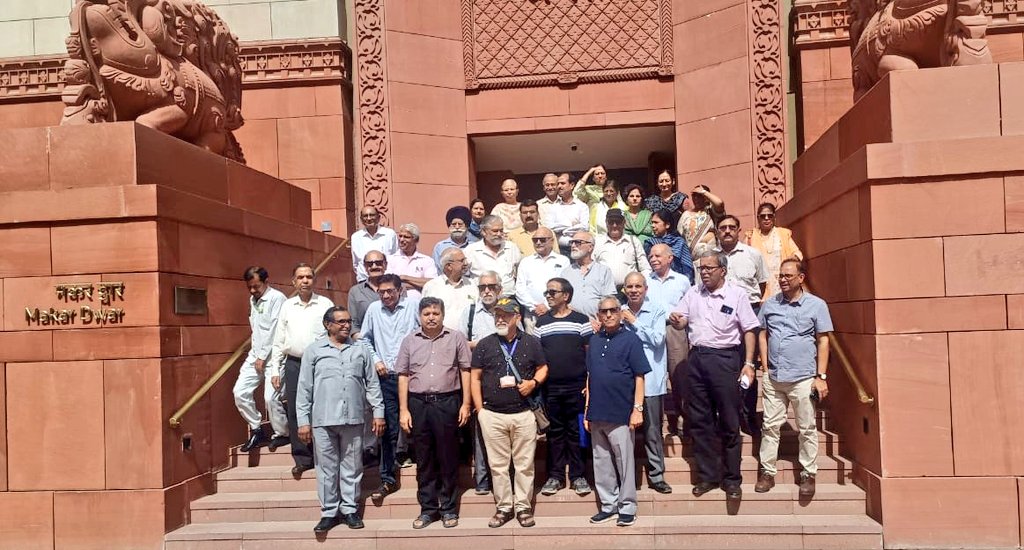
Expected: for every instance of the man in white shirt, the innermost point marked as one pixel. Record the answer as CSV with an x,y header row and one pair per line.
x,y
622,253
550,183
454,288
301,323
536,270
373,236
264,310
414,267
494,253
569,215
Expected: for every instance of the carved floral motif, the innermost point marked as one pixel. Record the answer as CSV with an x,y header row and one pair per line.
x,y
542,42
768,101
374,135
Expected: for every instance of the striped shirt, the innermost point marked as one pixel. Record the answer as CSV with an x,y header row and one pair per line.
x,y
564,342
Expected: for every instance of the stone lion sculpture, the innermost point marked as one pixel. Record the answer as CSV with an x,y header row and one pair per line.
x,y
171,65
889,35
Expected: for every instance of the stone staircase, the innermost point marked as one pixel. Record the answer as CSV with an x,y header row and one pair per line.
x,y
258,505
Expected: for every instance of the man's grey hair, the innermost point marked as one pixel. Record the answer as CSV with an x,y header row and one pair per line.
x,y
613,297
490,273
412,228
723,259
448,256
489,220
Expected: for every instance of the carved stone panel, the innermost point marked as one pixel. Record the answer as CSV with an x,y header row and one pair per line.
x,y
768,101
372,98
542,42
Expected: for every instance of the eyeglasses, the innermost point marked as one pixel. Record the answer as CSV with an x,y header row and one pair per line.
x,y
541,239
787,276
341,322
728,226
482,288
371,263
577,242
708,268
552,292
608,310
387,291
766,216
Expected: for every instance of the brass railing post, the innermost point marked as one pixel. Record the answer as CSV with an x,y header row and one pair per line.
x,y
844,361
175,420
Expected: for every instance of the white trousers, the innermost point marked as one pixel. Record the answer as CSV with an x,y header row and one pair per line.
x,y
777,398
246,385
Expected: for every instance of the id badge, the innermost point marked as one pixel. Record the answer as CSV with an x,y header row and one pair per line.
x,y
727,310
507,381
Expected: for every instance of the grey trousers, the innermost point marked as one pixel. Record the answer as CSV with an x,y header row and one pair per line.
x,y
614,470
654,441
339,467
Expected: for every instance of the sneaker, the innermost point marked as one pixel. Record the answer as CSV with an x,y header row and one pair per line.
x,y
806,484
765,482
625,520
405,462
552,486
581,487
603,517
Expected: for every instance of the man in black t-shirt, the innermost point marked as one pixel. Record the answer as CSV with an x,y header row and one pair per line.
x,y
564,334
506,420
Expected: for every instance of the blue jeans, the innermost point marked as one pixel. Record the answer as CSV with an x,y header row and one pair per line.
x,y
389,441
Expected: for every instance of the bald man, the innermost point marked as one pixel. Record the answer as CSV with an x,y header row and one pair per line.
x,y
666,288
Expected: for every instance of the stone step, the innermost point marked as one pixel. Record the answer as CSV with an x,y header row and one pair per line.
x,y
293,505
650,531
677,471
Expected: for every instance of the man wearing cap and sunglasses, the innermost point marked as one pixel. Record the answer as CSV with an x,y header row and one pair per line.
x,y
507,368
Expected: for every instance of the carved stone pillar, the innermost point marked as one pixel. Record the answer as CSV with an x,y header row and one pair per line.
x,y
768,100
375,183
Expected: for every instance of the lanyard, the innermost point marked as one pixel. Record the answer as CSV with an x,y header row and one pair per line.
x,y
509,351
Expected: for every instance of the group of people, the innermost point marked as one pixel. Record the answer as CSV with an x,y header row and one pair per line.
x,y
500,336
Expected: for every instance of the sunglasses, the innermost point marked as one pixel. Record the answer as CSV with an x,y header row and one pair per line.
x,y
608,310
371,263
488,287
550,292
766,216
541,239
576,242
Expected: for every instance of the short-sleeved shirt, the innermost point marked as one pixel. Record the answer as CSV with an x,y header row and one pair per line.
x,y
456,297
385,241
503,263
793,328
527,355
717,319
417,265
433,364
667,291
587,290
564,340
747,270
613,362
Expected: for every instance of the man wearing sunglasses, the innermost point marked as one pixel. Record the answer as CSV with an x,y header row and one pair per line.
x,y
536,270
335,378
361,295
590,279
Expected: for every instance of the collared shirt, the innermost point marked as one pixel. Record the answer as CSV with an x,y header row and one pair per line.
x,y
433,364
440,247
534,273
417,265
335,384
622,256
383,329
456,297
682,261
650,328
264,313
523,240
385,240
566,218
717,319
360,297
667,291
299,325
613,362
587,290
503,263
483,322
527,356
793,328
544,207
747,270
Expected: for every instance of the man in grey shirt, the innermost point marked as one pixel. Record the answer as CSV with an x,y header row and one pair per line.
x,y
590,280
361,295
794,351
335,379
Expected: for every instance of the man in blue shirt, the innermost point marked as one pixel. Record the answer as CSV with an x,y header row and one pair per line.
x,y
385,325
647,319
794,346
616,366
457,218
666,288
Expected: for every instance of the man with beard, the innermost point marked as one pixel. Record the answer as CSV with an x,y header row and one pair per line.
x,y
590,280
494,253
458,219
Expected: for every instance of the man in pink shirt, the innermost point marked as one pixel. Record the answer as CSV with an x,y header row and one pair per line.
x,y
719,317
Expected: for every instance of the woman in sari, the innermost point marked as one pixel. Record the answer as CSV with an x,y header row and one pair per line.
x,y
663,223
697,225
638,218
775,244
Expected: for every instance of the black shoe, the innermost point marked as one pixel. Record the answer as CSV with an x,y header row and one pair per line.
x,y
326,524
703,488
602,517
661,487
278,442
352,520
256,440
297,470
625,520
733,493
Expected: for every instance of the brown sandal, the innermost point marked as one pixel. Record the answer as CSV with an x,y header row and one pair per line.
x,y
450,520
525,519
500,518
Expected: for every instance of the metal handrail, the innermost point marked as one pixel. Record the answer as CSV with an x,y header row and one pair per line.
x,y
175,419
844,360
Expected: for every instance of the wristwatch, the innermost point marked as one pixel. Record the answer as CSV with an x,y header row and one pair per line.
x,y
639,408
821,375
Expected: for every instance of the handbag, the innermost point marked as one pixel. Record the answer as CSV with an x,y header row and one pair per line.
x,y
536,404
